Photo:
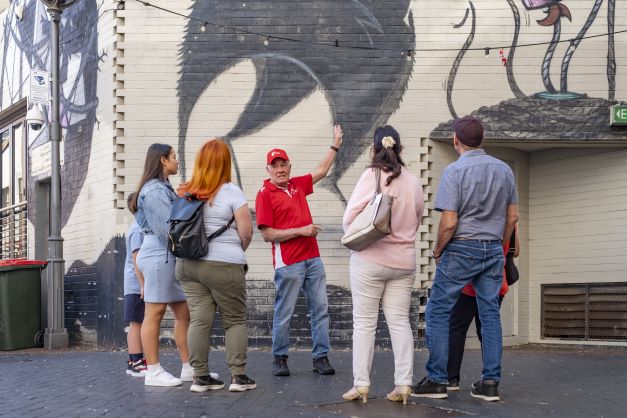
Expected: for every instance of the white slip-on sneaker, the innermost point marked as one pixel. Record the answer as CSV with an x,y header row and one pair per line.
x,y
187,374
161,378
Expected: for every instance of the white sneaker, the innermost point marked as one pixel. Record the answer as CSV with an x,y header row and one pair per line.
x,y
161,378
187,374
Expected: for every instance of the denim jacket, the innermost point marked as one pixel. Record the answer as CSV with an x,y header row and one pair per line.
x,y
153,208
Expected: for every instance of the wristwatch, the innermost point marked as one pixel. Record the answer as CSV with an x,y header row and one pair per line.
x,y
435,256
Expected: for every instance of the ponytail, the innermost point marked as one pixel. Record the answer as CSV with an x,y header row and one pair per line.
x,y
387,152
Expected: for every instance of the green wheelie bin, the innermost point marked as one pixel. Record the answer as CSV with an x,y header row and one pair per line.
x,y
20,303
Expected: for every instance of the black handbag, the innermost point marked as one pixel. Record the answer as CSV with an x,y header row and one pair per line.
x,y
511,271
186,236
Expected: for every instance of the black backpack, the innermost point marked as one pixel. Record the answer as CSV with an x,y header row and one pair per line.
x,y
186,236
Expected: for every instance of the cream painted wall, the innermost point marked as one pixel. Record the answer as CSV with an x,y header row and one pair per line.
x,y
559,189
92,225
141,64
146,106
577,221
150,105
515,308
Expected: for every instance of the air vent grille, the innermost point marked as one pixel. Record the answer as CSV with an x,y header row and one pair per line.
x,y
595,311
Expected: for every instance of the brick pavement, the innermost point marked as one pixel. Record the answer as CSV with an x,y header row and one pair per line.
x,y
538,381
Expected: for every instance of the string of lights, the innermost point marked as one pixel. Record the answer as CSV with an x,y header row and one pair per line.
x,y
343,45
91,26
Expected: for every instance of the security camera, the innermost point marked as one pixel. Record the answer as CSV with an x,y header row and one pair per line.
x,y
35,118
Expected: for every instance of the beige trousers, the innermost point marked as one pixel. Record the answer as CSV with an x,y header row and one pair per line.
x,y
373,284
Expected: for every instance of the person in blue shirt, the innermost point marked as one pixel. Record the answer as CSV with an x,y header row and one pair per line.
x,y
479,208
134,299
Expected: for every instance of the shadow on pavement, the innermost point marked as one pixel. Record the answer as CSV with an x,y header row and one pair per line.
x,y
382,408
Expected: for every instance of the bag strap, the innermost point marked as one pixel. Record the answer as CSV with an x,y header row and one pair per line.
x,y
222,229
377,176
512,243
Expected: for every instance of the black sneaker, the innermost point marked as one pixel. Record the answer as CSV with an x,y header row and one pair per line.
x,y
129,367
453,384
241,383
139,368
321,365
428,389
205,383
488,390
279,367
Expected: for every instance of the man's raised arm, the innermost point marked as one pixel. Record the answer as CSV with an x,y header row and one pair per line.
x,y
324,167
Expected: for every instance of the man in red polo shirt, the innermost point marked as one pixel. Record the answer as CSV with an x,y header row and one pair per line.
x,y
284,219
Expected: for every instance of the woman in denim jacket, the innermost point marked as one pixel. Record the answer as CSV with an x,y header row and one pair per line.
x,y
152,205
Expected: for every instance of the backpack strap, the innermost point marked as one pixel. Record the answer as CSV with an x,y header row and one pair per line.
x,y
222,229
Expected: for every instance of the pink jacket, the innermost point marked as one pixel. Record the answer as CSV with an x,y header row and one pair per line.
x,y
397,250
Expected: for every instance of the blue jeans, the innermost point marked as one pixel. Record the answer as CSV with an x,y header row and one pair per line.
x,y
462,262
308,275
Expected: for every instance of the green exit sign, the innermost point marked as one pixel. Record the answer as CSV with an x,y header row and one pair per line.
x,y
619,115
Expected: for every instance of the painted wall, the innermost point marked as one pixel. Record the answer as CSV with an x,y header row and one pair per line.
x,y
86,52
190,82
578,222
148,76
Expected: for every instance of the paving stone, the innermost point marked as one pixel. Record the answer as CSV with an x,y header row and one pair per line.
x,y
537,381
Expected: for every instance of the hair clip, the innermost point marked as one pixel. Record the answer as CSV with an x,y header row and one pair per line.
x,y
388,142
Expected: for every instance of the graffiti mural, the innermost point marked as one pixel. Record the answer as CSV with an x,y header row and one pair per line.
x,y
554,12
94,298
556,113
363,87
26,46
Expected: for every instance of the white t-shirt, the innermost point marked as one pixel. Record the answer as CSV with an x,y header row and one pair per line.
x,y
228,246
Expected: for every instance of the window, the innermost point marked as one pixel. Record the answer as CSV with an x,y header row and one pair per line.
x,y
13,206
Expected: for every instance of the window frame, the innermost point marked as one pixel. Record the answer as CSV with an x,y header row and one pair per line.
x,y
14,235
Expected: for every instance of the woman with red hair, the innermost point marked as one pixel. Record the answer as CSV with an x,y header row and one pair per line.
x,y
219,278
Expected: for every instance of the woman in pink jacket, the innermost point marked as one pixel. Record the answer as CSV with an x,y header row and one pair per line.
x,y
385,271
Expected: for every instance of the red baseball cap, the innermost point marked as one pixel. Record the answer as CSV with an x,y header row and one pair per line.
x,y
276,153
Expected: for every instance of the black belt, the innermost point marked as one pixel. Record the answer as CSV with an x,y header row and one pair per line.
x,y
478,240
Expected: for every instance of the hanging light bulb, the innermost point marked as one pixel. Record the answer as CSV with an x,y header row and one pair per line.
x,y
203,28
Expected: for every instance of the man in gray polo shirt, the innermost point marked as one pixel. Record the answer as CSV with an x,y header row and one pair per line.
x,y
479,209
